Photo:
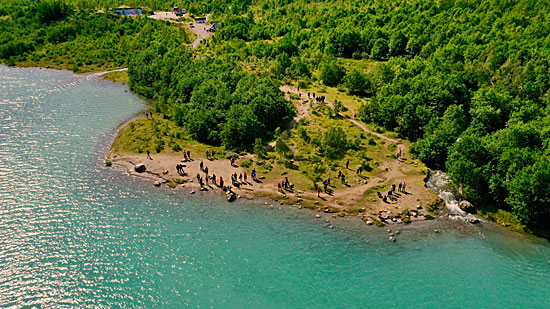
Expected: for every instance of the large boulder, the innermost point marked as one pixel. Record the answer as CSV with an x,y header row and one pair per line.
x,y
140,168
473,220
467,207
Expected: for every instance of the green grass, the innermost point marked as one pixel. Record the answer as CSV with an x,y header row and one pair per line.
x,y
143,134
119,77
365,66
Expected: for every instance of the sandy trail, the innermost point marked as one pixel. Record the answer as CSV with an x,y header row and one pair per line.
x,y
354,193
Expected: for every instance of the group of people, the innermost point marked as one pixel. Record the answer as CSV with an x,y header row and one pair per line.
x,y
210,154
326,184
285,185
187,155
237,180
402,187
342,177
398,155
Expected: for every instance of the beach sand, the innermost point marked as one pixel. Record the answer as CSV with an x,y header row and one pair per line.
x,y
162,168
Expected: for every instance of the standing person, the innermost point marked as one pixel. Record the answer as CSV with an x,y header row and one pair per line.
x,y
343,179
214,179
147,115
328,180
149,155
279,186
245,177
347,164
185,156
221,182
253,173
399,152
207,153
325,185
201,165
240,177
206,171
189,155
404,187
399,188
212,154
318,192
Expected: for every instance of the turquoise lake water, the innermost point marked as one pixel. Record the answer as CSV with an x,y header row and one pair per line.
x,y
76,234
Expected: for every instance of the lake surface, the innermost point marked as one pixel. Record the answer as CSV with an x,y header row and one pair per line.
x,y
75,233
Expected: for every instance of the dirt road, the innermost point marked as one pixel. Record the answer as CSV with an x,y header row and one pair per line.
x,y
199,29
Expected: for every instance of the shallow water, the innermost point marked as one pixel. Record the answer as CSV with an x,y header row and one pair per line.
x,y
74,233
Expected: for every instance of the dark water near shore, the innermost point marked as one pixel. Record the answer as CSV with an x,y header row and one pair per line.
x,y
74,233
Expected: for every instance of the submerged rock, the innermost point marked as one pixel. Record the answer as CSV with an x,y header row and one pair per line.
x,y
140,168
392,239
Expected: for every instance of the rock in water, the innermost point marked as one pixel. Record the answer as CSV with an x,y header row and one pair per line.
x,y
140,168
230,196
157,184
392,239
467,207
370,222
473,220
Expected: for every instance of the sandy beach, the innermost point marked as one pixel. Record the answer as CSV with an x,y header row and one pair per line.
x,y
161,169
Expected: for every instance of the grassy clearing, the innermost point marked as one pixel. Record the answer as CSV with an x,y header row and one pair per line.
x,y
365,66
118,77
158,135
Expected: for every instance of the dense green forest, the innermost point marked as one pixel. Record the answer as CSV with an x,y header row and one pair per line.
x,y
54,34
215,101
467,81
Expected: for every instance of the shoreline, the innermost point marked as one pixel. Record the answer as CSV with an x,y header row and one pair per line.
x,y
349,223
160,170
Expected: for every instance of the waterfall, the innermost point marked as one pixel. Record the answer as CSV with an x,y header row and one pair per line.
x,y
439,182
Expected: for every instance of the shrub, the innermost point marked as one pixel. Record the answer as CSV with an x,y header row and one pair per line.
x,y
246,163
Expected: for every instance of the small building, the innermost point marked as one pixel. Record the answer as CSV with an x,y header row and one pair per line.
x,y
127,11
200,20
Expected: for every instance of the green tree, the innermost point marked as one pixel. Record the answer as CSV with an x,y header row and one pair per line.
x,y
332,73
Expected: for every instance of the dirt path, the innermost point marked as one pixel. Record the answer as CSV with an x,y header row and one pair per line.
x,y
355,193
287,89
199,29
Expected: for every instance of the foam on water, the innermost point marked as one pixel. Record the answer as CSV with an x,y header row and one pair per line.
x,y
74,233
